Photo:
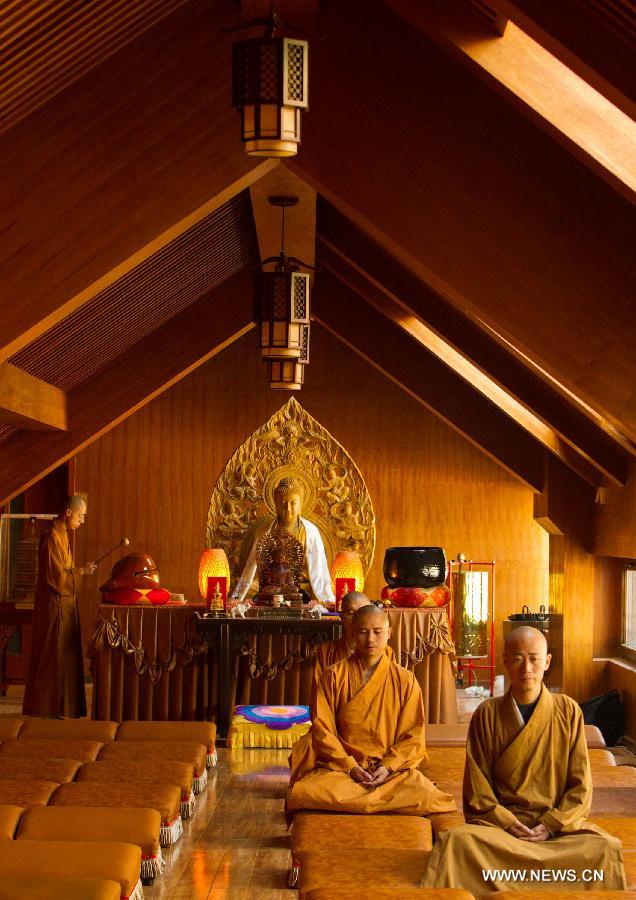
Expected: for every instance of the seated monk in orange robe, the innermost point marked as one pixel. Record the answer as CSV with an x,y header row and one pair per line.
x,y
302,757
368,734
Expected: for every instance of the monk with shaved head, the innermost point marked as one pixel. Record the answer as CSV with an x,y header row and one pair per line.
x,y
527,791
368,733
301,758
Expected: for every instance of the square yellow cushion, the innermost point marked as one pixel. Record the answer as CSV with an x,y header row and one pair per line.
x,y
10,727
455,735
64,823
90,859
9,818
26,793
166,799
58,770
397,870
445,821
331,832
69,729
41,887
190,752
614,776
613,801
447,763
163,771
114,771
41,748
623,829
199,732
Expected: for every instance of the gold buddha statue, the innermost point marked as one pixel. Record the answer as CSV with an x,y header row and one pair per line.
x,y
300,542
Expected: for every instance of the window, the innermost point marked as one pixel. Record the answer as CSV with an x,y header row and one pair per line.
x,y
629,608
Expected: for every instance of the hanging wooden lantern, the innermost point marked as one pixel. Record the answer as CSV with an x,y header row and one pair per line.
x,y
269,87
281,308
289,374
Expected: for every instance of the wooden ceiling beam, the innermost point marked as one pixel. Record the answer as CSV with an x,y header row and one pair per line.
x,y
160,360
417,371
477,201
589,38
526,74
431,342
353,255
29,402
116,168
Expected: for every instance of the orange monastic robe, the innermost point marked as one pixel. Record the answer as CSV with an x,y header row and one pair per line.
x,y
377,723
55,686
302,757
538,772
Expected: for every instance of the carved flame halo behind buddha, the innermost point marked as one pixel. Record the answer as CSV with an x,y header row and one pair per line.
x,y
334,497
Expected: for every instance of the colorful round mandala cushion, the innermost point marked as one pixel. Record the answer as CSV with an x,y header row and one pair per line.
x,y
278,718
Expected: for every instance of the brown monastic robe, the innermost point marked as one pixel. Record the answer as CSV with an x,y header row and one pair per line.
x,y
302,757
535,773
377,723
55,686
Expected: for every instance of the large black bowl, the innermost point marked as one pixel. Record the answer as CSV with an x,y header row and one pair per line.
x,y
423,567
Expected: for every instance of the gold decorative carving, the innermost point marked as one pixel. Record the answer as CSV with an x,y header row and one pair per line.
x,y
277,539
291,444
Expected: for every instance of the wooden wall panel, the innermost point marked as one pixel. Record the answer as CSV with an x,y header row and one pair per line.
x,y
608,587
616,520
151,478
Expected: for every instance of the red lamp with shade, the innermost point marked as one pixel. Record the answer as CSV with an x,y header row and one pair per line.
x,y
214,574
346,574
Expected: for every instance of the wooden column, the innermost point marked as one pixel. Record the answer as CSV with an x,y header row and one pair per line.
x,y
567,511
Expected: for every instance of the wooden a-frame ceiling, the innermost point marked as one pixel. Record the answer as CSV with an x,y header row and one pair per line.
x,y
475,245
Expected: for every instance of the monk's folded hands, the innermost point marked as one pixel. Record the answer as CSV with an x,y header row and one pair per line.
x,y
360,775
521,831
379,776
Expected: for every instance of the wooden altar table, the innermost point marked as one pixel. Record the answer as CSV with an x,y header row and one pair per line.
x,y
148,662
172,663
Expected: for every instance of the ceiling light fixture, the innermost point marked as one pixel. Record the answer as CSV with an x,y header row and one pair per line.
x,y
269,87
281,310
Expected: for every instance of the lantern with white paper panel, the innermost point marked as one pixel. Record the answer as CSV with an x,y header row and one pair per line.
x,y
269,87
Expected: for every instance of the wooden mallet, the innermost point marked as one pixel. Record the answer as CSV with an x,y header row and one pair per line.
x,y
123,543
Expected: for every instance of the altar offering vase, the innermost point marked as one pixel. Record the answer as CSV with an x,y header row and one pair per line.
x,y
214,564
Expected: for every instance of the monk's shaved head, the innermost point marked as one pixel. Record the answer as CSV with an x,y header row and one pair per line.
x,y
372,611
527,637
371,631
526,659
353,601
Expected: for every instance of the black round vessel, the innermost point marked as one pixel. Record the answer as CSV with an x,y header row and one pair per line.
x,y
423,567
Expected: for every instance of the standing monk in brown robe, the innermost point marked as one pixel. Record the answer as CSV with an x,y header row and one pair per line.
x,y
527,793
55,686
368,734
302,757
